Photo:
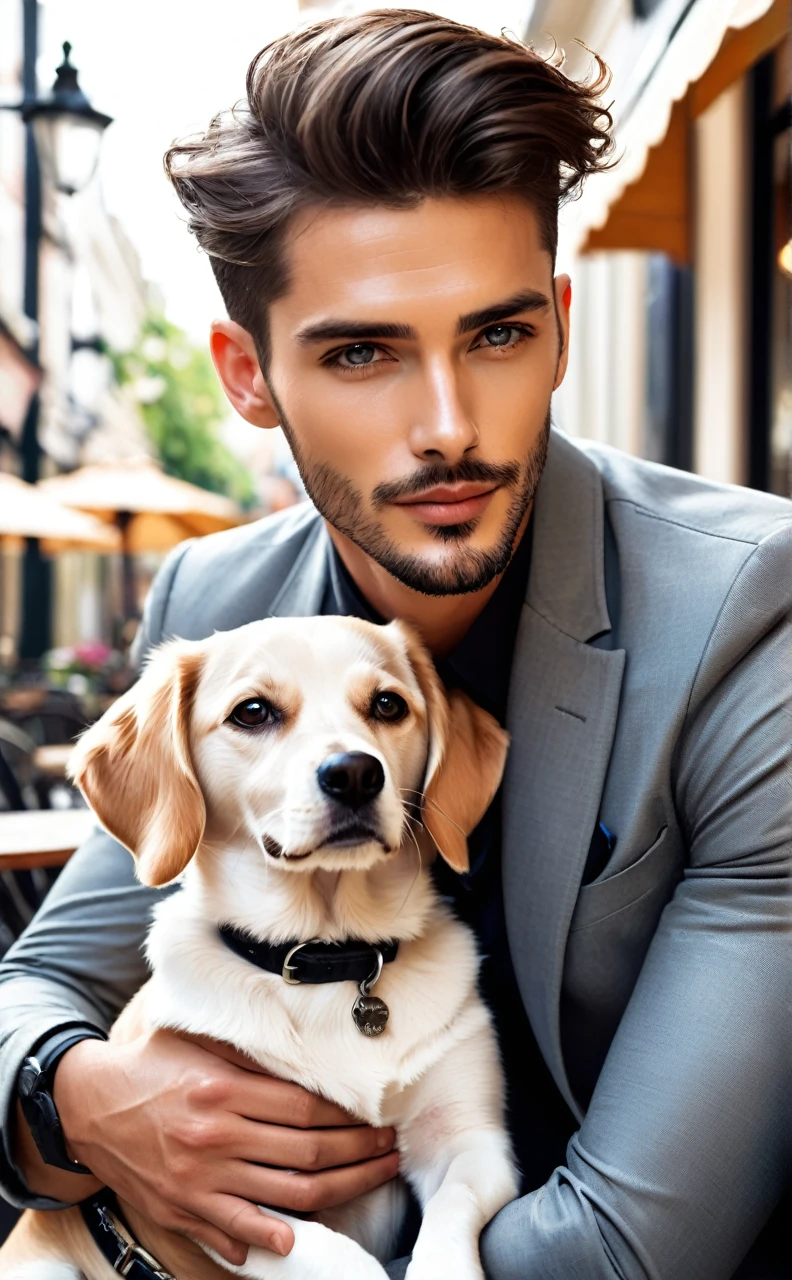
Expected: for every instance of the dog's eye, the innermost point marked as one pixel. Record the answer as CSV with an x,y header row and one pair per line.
x,y
389,707
252,714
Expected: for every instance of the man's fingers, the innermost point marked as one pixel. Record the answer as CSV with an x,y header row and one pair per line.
x,y
310,1192
267,1098
261,1096
274,1101
241,1221
234,1251
311,1149
225,1051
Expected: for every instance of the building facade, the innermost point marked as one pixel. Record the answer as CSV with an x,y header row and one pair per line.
x,y
91,297
681,256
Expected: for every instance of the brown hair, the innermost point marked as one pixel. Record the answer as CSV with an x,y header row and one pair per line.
x,y
389,107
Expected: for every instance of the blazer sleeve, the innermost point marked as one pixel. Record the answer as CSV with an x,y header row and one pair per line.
x,y
80,960
687,1144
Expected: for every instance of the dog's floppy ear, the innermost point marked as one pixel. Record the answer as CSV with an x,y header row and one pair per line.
x,y
134,766
467,755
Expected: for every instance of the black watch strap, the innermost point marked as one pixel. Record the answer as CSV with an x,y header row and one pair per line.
x,y
34,1087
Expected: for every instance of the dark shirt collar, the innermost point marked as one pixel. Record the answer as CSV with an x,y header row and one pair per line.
x,y
481,662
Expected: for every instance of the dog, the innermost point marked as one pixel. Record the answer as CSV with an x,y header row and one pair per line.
x,y
297,776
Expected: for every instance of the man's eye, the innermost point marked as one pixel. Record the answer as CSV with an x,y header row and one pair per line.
x,y
362,353
502,335
389,707
253,714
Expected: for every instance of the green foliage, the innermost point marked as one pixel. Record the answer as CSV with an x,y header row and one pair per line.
x,y
182,406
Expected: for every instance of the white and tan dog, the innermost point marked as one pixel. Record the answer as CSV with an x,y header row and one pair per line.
x,y
292,773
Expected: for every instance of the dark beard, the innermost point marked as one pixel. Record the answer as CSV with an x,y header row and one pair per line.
x,y
341,504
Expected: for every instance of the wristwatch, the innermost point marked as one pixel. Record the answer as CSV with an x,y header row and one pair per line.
x,y
34,1089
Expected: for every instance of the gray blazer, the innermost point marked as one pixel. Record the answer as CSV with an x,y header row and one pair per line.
x,y
652,690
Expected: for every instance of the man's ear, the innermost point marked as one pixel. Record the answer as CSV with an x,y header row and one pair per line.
x,y
135,769
562,287
237,364
465,762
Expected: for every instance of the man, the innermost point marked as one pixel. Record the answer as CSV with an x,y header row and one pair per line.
x,y
381,219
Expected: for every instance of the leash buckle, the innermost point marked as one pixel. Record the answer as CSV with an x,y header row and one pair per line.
x,y
136,1253
127,1260
132,1252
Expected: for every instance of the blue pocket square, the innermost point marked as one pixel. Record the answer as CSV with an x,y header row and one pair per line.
x,y
603,842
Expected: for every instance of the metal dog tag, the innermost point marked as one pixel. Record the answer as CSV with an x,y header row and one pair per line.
x,y
370,1013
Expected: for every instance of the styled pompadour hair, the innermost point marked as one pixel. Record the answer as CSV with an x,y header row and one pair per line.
x,y
389,108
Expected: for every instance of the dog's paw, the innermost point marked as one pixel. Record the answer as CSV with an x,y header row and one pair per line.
x,y
443,1260
318,1254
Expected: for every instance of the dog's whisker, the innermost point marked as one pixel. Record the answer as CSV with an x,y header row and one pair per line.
x,y
411,804
253,825
413,817
414,839
411,834
447,817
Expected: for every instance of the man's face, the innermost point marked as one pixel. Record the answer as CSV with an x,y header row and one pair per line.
x,y
412,363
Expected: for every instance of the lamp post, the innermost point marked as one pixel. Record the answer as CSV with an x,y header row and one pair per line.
x,y
62,145
67,129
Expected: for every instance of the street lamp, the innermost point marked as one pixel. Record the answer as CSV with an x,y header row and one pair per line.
x,y
67,129
63,136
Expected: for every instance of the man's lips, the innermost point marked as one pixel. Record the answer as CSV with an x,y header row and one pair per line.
x,y
449,504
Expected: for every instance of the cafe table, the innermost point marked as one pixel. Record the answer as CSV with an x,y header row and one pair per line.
x,y
53,760
42,837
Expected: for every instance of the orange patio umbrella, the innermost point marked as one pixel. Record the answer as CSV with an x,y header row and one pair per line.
x,y
27,512
151,510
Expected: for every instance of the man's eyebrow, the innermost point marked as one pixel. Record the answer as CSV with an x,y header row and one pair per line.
x,y
528,300
355,330
366,330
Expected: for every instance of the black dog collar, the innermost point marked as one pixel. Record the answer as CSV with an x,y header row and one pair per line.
x,y
314,961
115,1241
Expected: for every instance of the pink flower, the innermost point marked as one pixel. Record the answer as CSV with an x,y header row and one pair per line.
x,y
93,654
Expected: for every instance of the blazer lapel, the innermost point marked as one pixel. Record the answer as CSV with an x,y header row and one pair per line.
x,y
563,704
303,589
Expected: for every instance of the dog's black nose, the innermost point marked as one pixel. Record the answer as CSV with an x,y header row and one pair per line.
x,y
351,777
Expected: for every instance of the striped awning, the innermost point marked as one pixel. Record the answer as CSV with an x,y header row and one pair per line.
x,y
713,44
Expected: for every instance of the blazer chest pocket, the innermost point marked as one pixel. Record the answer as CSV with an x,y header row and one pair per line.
x,y
612,927
648,878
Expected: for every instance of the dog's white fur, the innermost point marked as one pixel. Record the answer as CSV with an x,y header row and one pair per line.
x,y
240,816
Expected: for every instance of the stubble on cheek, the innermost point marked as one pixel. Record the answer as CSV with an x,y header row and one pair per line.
x,y
461,571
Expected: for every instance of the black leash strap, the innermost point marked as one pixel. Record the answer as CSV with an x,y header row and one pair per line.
x,y
115,1241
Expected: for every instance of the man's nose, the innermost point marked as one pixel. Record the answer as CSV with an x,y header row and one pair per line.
x,y
353,778
444,429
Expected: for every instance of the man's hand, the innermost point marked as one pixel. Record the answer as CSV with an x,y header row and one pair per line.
x,y
195,1136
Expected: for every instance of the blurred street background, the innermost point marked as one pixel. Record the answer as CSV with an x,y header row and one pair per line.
x,y
681,260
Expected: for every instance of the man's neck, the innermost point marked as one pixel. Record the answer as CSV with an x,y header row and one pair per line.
x,y
442,621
